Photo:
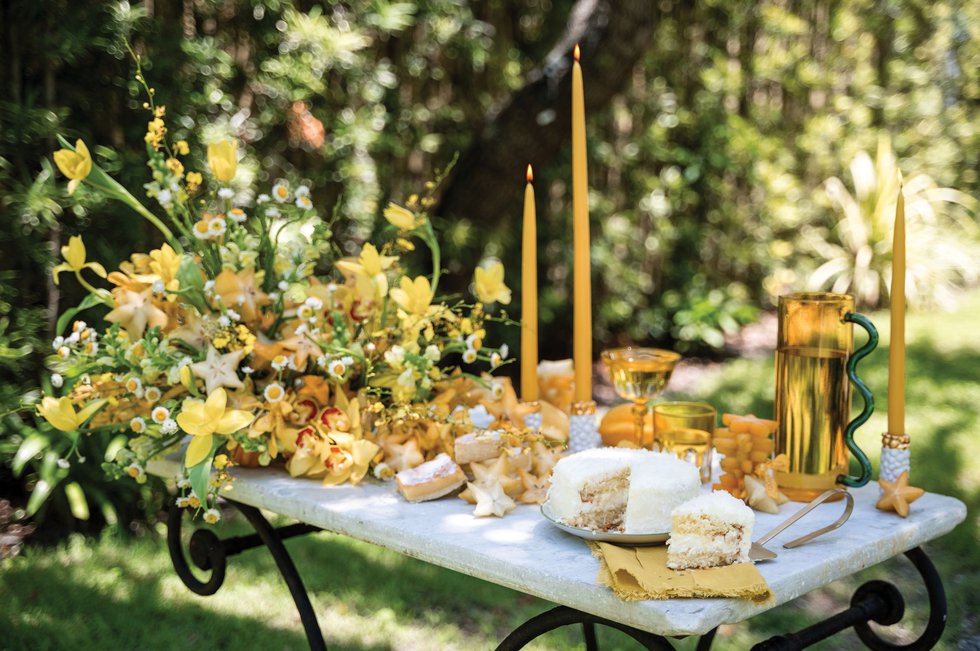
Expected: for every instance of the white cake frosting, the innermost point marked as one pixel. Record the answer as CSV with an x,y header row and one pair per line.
x,y
711,530
621,489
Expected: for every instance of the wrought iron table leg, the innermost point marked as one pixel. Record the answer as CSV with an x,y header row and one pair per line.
x,y
565,616
880,602
208,552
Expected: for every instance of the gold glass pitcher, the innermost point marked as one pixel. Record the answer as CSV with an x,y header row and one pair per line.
x,y
814,371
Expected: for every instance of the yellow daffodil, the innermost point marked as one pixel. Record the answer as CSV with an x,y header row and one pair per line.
x,y
401,218
62,415
413,296
202,420
134,311
164,265
74,255
76,165
223,159
489,284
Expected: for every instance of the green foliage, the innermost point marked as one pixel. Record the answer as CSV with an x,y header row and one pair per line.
x,y
942,246
707,171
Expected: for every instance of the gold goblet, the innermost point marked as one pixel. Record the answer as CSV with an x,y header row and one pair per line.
x,y
639,374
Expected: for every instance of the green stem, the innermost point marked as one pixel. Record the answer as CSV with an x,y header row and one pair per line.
x,y
98,293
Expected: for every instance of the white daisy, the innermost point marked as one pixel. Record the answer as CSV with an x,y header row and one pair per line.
x,y
57,381
469,356
304,203
168,426
211,516
280,192
226,193
262,198
151,394
303,191
160,414
237,215
337,368
138,425
217,226
274,392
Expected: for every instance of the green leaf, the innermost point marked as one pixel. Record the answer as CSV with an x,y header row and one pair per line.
x,y
76,501
89,301
191,284
29,449
200,474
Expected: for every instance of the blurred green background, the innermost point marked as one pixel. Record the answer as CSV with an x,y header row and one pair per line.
x,y
738,150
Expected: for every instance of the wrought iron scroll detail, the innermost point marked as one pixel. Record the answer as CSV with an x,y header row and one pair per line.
x,y
879,602
209,553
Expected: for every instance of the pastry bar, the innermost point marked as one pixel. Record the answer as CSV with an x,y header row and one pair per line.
x,y
617,489
478,445
710,530
430,480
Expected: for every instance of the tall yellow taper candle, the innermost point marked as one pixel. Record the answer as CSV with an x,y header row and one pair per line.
x,y
896,351
582,349
529,295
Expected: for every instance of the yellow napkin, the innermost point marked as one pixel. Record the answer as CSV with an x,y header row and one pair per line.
x,y
641,573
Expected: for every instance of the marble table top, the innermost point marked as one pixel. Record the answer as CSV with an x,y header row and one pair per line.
x,y
525,552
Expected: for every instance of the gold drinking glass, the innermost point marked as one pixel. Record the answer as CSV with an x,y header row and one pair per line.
x,y
639,374
686,429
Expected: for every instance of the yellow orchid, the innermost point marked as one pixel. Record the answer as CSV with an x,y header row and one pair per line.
x,y
368,269
76,165
135,311
350,464
165,263
489,284
74,255
402,218
202,420
62,415
414,297
223,159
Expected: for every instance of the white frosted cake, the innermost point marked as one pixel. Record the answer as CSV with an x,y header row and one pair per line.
x,y
712,530
618,489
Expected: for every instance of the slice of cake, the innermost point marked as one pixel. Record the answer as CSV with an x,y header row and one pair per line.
x,y
431,479
709,531
618,489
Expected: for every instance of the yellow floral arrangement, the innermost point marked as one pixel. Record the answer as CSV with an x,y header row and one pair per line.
x,y
247,334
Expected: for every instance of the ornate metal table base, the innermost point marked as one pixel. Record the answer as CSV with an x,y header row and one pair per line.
x,y
875,601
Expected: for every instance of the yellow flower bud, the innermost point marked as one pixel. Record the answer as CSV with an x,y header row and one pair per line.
x,y
223,159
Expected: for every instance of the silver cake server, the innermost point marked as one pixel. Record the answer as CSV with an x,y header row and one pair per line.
x,y
759,553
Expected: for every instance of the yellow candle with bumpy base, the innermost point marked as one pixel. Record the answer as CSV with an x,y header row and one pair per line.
x,y
896,350
582,348
529,296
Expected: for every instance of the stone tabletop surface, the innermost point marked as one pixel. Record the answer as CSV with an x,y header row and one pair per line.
x,y
525,552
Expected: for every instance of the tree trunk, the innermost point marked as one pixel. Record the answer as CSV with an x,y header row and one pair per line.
x,y
534,124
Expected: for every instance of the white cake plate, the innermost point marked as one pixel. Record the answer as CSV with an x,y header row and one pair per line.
x,y
614,537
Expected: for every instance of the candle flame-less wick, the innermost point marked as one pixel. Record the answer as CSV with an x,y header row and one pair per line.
x,y
530,173
577,53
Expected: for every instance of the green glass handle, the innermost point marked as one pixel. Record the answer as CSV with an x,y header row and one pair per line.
x,y
869,401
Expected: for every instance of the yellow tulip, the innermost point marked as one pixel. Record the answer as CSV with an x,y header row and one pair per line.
x,y
202,420
401,218
62,415
74,255
223,159
413,296
76,165
489,284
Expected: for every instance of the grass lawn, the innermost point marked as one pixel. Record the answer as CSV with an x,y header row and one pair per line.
x,y
113,593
